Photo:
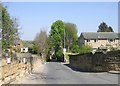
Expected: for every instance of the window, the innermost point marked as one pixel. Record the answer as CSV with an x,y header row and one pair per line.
x,y
88,40
110,40
95,40
114,40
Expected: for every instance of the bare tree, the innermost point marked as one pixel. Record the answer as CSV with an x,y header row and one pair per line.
x,y
40,41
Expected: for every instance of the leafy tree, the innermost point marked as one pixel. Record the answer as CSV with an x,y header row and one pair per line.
x,y
70,35
27,43
75,47
0,17
1,12
32,48
9,29
103,27
57,38
15,27
6,28
0,26
110,29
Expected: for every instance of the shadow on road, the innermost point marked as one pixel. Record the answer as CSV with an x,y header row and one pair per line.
x,y
73,68
80,70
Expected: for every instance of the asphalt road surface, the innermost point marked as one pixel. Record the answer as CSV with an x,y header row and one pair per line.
x,y
59,73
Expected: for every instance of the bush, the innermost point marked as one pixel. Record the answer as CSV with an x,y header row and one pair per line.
x,y
59,55
32,50
67,56
75,49
112,48
85,49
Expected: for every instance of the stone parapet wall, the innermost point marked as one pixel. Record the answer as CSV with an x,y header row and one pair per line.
x,y
36,61
17,68
96,62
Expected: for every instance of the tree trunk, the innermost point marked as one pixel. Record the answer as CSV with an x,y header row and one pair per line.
x,y
68,48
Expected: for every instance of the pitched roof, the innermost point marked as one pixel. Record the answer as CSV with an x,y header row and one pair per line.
x,y
100,35
17,41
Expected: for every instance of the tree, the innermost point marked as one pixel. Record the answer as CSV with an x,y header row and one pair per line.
x,y
15,27
9,30
0,26
40,42
75,47
70,35
36,43
32,47
103,27
48,49
110,29
57,38
0,17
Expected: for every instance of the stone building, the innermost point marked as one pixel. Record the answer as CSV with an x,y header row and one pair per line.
x,y
98,40
18,44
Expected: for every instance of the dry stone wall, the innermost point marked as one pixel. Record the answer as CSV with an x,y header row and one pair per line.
x,y
18,67
96,62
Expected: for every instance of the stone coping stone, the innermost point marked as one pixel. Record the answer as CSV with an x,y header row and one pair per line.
x,y
114,72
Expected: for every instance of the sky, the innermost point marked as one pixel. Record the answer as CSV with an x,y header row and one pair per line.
x,y
36,16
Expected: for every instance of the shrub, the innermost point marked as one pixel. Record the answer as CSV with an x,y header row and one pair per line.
x,y
67,56
75,49
59,55
85,49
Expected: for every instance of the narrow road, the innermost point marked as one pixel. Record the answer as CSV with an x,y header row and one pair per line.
x,y
58,73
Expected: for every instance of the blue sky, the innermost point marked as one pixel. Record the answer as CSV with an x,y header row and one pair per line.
x,y
34,16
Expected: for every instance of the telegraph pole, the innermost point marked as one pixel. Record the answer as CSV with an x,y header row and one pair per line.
x,y
64,50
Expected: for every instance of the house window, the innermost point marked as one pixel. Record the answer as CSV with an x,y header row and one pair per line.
x,y
88,40
95,40
114,40
110,40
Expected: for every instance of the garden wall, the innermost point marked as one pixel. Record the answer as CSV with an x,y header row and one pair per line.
x,y
17,68
96,62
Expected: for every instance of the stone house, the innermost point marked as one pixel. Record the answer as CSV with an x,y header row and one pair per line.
x,y
99,39
18,44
